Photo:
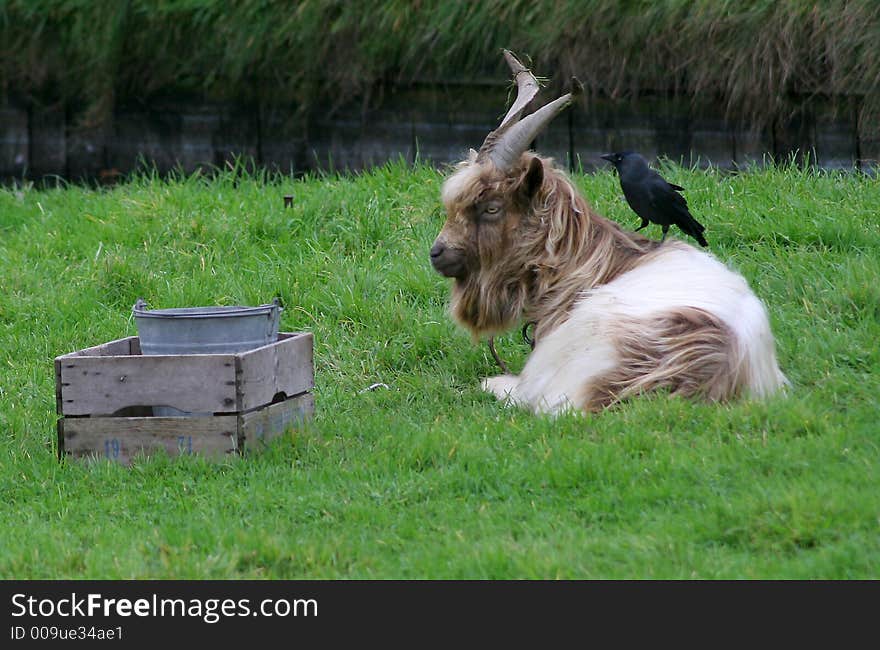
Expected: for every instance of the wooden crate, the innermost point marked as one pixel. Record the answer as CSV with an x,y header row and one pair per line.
x,y
234,403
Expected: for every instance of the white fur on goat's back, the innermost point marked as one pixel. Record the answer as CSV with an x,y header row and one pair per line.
x,y
682,276
581,350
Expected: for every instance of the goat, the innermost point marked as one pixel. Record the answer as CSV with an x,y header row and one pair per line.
x,y
615,314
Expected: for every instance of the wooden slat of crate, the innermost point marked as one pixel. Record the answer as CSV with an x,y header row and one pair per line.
x,y
104,385
119,347
286,368
261,426
121,439
104,379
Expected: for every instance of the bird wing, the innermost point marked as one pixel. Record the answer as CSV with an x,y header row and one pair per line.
x,y
677,188
665,200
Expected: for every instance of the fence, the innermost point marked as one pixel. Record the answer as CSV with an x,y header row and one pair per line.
x,y
436,123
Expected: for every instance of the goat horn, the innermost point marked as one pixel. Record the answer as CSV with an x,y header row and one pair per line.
x,y
526,88
504,146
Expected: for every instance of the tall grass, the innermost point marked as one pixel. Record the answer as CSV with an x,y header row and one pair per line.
x,y
758,58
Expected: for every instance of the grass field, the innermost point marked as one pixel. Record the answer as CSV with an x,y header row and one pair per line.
x,y
430,478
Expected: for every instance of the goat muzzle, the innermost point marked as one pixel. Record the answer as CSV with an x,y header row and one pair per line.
x,y
447,261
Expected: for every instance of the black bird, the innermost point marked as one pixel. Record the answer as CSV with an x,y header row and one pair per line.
x,y
652,198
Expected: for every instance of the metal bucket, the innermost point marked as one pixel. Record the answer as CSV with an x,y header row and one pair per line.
x,y
204,330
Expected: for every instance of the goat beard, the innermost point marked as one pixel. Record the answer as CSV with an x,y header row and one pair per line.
x,y
486,304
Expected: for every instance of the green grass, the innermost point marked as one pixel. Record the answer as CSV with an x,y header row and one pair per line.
x,y
431,478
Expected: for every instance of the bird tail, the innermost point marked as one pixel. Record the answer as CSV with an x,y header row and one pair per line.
x,y
693,228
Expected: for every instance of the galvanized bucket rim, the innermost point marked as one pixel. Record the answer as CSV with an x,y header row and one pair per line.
x,y
140,311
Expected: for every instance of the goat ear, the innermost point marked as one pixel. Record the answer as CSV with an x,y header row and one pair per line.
x,y
531,182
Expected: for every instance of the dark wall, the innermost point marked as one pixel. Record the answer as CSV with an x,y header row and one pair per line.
x,y
436,123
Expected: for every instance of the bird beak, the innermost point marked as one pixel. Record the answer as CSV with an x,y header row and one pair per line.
x,y
609,157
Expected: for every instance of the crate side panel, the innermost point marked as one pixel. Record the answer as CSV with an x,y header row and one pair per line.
x,y
57,364
121,439
260,427
117,348
59,436
286,366
104,385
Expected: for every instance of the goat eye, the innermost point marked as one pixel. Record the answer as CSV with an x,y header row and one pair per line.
x,y
491,210
487,210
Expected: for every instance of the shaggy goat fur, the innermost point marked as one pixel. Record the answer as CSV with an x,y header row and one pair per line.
x,y
616,313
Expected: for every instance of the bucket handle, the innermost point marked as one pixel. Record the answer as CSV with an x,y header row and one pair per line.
x,y
141,305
